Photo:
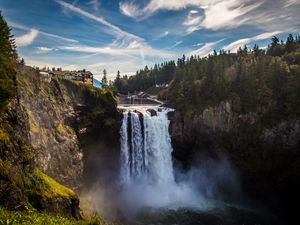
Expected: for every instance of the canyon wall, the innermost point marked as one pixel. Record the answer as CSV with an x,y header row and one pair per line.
x,y
55,128
264,151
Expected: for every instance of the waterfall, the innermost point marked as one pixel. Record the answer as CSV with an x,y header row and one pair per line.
x,y
146,147
147,174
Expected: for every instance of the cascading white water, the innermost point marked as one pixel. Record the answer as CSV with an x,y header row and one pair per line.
x,y
147,174
146,147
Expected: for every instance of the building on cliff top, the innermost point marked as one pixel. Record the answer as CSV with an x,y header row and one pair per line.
x,y
79,76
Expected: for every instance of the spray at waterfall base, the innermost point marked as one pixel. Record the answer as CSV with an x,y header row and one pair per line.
x,y
147,176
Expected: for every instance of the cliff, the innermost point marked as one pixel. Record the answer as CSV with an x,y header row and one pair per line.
x,y
264,151
53,128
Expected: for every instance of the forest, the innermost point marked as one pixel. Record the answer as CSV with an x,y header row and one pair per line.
x,y
254,79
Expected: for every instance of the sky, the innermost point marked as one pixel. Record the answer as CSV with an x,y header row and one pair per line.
x,y
127,35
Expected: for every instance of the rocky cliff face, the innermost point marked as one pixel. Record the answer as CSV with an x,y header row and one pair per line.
x,y
67,122
264,151
54,127
56,147
190,133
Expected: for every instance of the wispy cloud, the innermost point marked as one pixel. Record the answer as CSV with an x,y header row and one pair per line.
x,y
162,35
216,13
198,44
134,49
234,46
205,49
26,28
46,63
125,43
95,4
130,9
176,44
134,10
291,3
222,14
44,49
41,64
114,29
27,39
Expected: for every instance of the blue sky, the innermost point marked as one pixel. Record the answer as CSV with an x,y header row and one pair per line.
x,y
126,35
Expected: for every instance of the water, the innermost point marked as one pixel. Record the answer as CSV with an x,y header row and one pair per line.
x,y
147,174
146,147
149,192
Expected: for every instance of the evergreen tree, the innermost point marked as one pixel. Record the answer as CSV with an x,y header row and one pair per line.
x,y
8,57
118,82
104,79
7,42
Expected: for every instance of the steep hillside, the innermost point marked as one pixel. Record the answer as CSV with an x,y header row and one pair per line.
x,y
49,128
67,121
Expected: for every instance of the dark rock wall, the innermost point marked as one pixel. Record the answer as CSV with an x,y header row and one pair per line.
x,y
265,154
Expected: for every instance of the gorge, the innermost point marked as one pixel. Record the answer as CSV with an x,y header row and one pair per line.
x,y
220,147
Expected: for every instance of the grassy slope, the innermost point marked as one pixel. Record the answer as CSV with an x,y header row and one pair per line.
x,y
30,217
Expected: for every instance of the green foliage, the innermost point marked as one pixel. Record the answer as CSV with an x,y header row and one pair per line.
x,y
7,43
144,79
99,105
7,71
104,78
4,136
253,79
7,76
30,217
44,185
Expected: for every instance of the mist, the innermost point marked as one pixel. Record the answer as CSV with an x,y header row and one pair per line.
x,y
147,179
207,185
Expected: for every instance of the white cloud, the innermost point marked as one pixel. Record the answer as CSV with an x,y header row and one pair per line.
x,y
176,44
291,3
116,31
23,27
94,3
136,11
125,43
45,63
220,14
224,14
216,13
27,39
44,49
162,35
58,37
39,63
128,67
134,49
194,11
234,46
205,49
198,44
130,9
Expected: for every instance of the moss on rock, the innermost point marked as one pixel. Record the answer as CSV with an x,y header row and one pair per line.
x,y
44,185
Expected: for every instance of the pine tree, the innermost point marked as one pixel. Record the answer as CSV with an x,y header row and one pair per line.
x,y
104,78
7,42
7,57
290,43
118,82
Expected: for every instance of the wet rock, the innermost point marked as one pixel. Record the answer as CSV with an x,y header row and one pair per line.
x,y
152,112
